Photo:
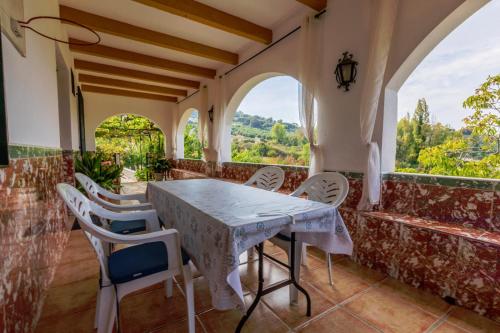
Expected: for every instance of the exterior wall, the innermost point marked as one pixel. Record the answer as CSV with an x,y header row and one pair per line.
x,y
33,233
99,107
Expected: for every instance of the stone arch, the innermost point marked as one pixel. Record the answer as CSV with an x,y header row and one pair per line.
x,y
406,68
163,132
180,130
234,101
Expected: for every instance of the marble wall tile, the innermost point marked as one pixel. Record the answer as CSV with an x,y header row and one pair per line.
x,y
397,196
412,254
33,232
466,207
441,264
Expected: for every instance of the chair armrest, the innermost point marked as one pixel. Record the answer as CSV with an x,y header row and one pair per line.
x,y
141,197
134,207
150,216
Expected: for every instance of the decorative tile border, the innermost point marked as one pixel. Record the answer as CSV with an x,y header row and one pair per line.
x,y
293,168
449,181
27,151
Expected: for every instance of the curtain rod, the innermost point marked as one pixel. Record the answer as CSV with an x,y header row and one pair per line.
x,y
318,15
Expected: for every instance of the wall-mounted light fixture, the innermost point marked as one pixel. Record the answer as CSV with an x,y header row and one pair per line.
x,y
211,114
346,71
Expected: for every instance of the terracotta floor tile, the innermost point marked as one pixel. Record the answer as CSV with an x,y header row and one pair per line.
x,y
312,261
370,276
345,284
70,298
272,273
202,297
448,328
390,312
78,322
471,321
424,300
179,327
76,271
271,249
147,311
262,320
294,315
338,321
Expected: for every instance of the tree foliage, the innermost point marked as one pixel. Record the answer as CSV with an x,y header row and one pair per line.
x,y
472,151
131,136
192,144
258,139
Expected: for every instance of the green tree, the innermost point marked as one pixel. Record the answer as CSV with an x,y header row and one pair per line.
x,y
192,144
278,133
485,121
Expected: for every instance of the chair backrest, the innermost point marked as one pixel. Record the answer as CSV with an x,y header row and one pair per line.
x,y
268,178
90,186
81,207
95,191
327,187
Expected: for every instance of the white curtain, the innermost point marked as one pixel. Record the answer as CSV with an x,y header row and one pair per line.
x,y
215,147
378,55
309,66
203,122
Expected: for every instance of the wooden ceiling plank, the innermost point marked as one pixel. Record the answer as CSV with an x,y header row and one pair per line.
x,y
317,5
125,30
126,93
213,17
105,81
140,75
140,59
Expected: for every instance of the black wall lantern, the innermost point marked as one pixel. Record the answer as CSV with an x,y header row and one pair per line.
x,y
346,71
211,114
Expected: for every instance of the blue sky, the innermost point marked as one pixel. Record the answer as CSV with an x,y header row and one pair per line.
x,y
447,76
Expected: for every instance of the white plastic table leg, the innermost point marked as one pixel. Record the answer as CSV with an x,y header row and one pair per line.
x,y
188,285
169,287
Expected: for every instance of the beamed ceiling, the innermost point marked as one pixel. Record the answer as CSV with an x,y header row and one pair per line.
x,y
162,49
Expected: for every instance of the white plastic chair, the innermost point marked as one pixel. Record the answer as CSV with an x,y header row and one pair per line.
x,y
155,257
326,187
97,193
269,178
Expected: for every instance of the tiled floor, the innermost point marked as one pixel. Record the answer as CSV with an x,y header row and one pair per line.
x,y
361,300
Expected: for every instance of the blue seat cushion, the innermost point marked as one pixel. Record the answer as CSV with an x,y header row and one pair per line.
x,y
128,227
283,237
138,261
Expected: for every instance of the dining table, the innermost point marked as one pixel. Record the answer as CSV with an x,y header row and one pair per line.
x,y
219,220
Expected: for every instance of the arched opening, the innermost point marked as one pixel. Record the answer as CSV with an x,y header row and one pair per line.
x,y
188,139
263,122
131,140
442,125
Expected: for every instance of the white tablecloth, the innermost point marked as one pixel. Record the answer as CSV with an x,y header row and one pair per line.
x,y
219,220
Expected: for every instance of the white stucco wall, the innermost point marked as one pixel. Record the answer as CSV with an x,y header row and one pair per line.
x,y
99,107
31,82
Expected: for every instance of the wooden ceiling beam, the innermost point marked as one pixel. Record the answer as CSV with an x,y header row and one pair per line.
x,y
212,17
140,75
317,5
140,59
143,35
105,81
126,93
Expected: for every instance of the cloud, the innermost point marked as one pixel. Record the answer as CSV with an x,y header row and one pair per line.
x,y
457,66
